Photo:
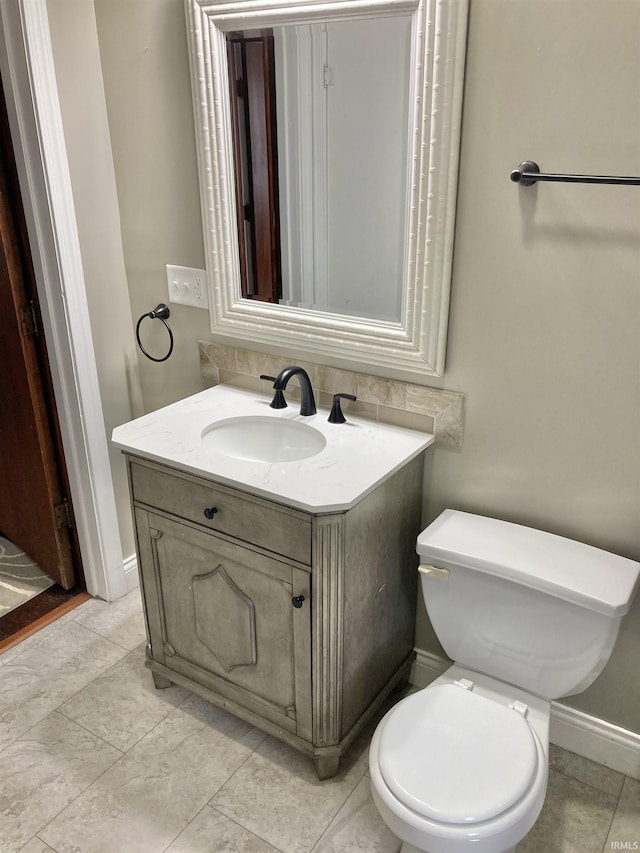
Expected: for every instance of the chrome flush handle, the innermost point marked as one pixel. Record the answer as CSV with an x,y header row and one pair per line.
x,y
433,571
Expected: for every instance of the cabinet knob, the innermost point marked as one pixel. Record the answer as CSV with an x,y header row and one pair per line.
x,y
210,511
297,600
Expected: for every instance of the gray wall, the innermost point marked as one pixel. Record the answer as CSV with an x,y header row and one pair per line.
x,y
143,50
546,288
544,325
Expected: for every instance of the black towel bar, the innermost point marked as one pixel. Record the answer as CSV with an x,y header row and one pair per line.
x,y
528,173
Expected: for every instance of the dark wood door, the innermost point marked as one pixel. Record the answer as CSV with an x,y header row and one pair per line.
x,y
255,149
34,511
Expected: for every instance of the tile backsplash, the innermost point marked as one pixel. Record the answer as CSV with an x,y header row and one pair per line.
x,y
386,400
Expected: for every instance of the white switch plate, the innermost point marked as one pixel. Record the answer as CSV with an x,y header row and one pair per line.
x,y
187,286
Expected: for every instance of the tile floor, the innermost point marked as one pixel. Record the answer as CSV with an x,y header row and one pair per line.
x,y
93,759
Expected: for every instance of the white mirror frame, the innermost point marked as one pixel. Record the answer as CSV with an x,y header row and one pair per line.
x,y
416,346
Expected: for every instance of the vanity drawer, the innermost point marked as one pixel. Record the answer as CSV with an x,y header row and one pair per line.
x,y
249,519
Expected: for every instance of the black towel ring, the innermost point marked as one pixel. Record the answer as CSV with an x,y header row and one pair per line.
x,y
161,312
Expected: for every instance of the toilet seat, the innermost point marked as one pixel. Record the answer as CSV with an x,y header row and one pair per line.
x,y
481,755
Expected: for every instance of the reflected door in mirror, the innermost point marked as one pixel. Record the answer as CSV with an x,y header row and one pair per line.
x,y
255,145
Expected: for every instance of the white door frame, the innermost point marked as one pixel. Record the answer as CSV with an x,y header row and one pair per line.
x,y
28,76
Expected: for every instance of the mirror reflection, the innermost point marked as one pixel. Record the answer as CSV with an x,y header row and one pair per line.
x,y
320,126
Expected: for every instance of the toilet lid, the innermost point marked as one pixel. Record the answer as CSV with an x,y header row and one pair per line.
x,y
455,756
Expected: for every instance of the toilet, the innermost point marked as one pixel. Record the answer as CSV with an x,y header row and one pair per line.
x,y
526,617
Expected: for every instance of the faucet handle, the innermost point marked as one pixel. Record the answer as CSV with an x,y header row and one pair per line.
x,y
335,415
278,401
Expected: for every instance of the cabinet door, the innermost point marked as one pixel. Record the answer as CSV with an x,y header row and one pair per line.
x,y
222,615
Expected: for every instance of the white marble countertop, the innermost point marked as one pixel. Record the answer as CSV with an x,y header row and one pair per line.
x,y
358,455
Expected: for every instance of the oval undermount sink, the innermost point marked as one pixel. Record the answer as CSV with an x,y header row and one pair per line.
x,y
264,439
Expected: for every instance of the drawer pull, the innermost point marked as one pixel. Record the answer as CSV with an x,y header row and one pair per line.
x,y
297,600
210,511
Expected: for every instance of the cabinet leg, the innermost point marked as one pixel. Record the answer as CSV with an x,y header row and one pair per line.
x,y
160,681
326,766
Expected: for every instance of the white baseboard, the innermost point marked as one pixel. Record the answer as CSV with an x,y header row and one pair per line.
x,y
131,578
426,668
596,739
573,730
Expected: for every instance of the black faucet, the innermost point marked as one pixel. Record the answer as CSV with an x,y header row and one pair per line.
x,y
307,400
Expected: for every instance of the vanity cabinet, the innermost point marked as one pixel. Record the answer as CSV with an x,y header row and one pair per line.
x,y
301,623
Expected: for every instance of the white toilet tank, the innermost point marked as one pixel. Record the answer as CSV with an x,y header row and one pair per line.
x,y
530,608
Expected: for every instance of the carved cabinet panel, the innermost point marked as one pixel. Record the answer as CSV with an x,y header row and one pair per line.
x,y
224,617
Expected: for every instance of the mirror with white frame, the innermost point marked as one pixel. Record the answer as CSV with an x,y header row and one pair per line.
x,y
365,237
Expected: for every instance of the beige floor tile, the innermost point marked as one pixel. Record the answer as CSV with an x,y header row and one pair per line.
x,y
212,832
36,846
277,795
181,758
44,636
584,770
122,705
120,621
143,802
42,773
358,828
574,819
37,681
625,829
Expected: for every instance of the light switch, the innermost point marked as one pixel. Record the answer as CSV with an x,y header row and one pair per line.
x,y
187,286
